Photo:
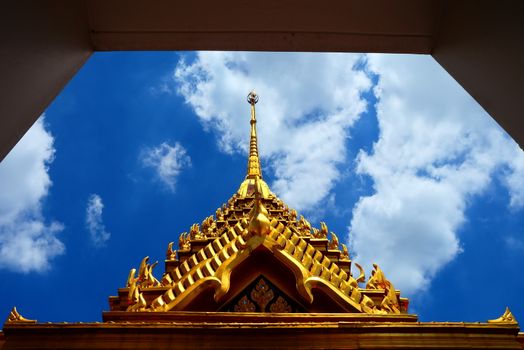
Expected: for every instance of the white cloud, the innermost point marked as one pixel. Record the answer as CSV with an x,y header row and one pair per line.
x,y
94,222
437,149
27,241
514,244
515,178
307,104
167,161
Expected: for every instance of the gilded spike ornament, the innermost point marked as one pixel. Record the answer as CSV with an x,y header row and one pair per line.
x,y
253,165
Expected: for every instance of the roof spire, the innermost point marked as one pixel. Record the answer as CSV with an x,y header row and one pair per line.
x,y
253,163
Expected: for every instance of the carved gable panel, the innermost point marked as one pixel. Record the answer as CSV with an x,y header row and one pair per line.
x,y
262,296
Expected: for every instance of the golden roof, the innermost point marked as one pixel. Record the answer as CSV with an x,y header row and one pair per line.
x,y
255,220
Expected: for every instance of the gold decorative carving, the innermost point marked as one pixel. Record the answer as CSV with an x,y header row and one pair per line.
x,y
378,280
207,226
262,294
367,305
323,230
15,317
135,299
322,233
280,305
304,226
219,214
194,233
258,221
131,280
390,302
145,274
362,276
132,295
170,253
333,243
244,305
183,242
507,317
345,253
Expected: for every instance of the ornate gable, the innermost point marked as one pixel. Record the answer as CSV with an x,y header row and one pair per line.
x,y
256,241
262,296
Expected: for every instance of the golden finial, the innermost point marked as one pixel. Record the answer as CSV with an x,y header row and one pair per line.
x,y
253,164
252,97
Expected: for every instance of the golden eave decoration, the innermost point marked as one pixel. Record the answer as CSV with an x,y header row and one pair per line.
x,y
15,317
256,220
506,318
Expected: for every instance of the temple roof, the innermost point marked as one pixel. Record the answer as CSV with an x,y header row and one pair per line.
x,y
255,222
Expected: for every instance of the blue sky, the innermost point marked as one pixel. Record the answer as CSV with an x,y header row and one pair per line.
x,y
387,149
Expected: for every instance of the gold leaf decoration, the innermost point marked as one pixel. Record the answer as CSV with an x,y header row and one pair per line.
x,y
280,305
262,294
244,305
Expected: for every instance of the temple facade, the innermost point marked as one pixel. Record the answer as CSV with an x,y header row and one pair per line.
x,y
257,275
